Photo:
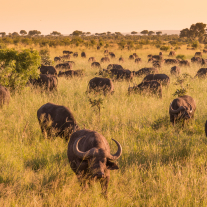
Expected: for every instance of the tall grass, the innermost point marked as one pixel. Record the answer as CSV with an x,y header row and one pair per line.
x,y
161,165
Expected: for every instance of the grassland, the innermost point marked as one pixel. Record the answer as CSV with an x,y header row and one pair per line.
x,y
161,165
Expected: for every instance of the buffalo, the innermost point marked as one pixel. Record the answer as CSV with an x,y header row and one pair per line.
x,y
67,52
48,70
112,55
157,57
4,96
135,55
175,70
57,59
99,84
172,53
64,65
114,66
75,54
156,64
70,73
198,60
204,51
171,61
56,120
50,82
98,47
90,158
198,54
152,87
121,59
83,54
182,109
145,71
138,60
91,59
201,73
184,63
131,57
105,59
95,65
161,78
122,74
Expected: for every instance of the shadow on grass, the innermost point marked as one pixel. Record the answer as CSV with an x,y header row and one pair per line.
x,y
161,122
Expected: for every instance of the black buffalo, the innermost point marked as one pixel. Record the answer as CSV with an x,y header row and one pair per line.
x,y
67,52
182,109
201,73
91,59
64,65
70,73
112,55
114,66
171,61
105,59
90,158
161,78
172,53
75,54
83,54
95,65
48,70
145,71
138,60
184,63
175,70
99,84
56,120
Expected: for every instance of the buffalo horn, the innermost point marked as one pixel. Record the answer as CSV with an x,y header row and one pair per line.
x,y
118,153
80,154
191,108
172,111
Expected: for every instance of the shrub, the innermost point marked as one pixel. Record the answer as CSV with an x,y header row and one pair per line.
x,y
182,57
165,48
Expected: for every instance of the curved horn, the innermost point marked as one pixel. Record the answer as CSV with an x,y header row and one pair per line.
x,y
175,111
80,154
191,108
118,153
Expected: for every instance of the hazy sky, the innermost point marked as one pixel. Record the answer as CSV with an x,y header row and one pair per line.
x,y
65,16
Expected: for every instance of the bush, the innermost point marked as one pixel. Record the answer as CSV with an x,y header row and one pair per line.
x,y
165,48
182,57
17,67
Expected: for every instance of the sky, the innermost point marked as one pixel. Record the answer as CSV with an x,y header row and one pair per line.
x,y
66,16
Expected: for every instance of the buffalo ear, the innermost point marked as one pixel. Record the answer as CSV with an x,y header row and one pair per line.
x,y
111,165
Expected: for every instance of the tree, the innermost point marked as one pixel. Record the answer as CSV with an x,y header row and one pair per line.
x,y
23,32
185,33
15,34
122,44
3,34
150,33
158,33
133,32
34,32
88,33
55,33
108,33
77,33
18,66
144,32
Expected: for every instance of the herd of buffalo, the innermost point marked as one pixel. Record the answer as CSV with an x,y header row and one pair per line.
x,y
88,151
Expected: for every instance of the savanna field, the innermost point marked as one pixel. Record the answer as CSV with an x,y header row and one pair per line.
x,y
160,165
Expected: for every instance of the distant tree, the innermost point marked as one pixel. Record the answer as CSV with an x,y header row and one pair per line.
x,y
196,31
150,33
144,32
88,33
77,33
55,33
118,33
108,33
158,33
121,44
15,34
23,32
3,34
34,32
133,32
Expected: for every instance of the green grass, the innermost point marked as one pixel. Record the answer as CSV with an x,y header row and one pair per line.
x,y
161,165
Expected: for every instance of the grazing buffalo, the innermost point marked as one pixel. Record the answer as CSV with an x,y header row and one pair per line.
x,y
114,66
131,57
57,120
152,87
70,73
198,54
83,54
149,56
112,54
122,74
146,71
161,78
160,53
201,73
106,51
182,109
196,60
172,53
57,59
135,55
48,70
157,64
171,61
138,60
95,65
157,57
98,47
204,51
105,59
4,96
184,63
175,70
48,81
67,52
91,59
75,54
90,158
64,65
121,59
99,84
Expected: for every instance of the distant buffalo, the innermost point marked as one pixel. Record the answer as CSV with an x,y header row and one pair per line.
x,y
122,74
184,63
64,65
95,65
83,54
67,52
171,61
172,53
57,120
152,87
145,71
91,59
198,54
57,59
105,59
201,73
175,70
112,55
48,81
70,73
114,66
48,70
135,55
131,57
157,57
99,84
138,60
161,78
75,54
4,96
121,59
